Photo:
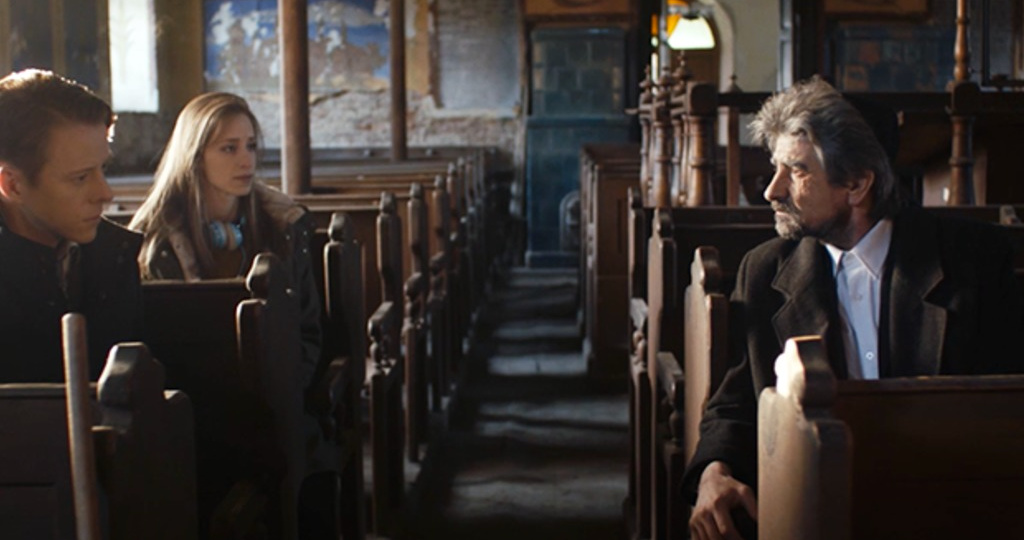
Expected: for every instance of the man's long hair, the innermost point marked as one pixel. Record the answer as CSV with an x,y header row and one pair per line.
x,y
846,143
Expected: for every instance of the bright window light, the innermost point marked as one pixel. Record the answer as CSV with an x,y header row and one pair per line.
x,y
132,31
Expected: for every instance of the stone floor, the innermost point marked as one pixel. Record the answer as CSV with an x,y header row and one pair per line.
x,y
532,450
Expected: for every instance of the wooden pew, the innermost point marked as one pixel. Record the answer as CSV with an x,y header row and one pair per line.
x,y
386,375
335,394
674,424
606,173
436,316
234,347
361,209
145,455
424,297
468,199
682,387
414,325
445,329
381,365
658,278
466,176
428,253
930,457
667,327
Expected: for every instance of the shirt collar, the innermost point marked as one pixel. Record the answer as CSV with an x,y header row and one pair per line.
x,y
871,250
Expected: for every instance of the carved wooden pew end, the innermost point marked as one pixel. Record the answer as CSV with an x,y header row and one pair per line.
x,y
926,457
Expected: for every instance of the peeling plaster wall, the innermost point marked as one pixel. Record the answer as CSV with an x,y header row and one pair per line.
x,y
362,118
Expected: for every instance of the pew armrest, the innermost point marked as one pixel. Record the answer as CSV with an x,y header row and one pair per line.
x,y
328,399
638,312
416,285
671,379
383,320
239,514
438,263
384,329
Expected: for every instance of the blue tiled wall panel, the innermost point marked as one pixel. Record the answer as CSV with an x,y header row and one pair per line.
x,y
577,72
553,147
576,98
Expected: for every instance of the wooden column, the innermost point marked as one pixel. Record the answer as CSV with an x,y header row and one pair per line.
x,y
399,150
678,111
645,113
962,49
702,108
733,158
295,140
964,104
661,153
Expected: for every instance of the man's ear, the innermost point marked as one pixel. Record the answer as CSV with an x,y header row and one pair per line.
x,y
10,182
860,188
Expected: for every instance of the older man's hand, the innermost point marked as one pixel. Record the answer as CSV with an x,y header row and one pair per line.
x,y
717,495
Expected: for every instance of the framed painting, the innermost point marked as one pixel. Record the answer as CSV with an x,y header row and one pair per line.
x,y
534,8
893,8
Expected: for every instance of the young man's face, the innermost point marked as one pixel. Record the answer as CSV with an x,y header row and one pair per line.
x,y
67,196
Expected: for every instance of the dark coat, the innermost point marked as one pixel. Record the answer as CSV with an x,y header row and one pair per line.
x,y
292,232
950,305
33,302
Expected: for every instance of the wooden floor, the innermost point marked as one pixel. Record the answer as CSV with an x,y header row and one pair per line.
x,y
532,451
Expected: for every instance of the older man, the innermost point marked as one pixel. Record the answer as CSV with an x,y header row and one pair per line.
x,y
894,290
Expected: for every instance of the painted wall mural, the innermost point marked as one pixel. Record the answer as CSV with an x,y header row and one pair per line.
x,y
348,45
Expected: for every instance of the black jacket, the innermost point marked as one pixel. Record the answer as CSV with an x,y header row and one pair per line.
x,y
33,302
950,305
292,229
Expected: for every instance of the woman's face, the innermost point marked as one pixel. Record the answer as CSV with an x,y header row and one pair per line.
x,y
229,159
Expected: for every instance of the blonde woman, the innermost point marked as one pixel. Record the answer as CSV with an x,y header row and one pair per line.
x,y
207,216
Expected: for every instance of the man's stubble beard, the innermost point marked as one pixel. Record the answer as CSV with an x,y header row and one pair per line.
x,y
789,224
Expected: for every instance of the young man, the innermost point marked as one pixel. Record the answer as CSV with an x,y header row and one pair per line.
x,y
57,254
894,290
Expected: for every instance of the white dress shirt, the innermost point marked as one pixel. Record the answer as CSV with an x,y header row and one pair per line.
x,y
858,274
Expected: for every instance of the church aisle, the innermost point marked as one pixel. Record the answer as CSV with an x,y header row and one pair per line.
x,y
532,450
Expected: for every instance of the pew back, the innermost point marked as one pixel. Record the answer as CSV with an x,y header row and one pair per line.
x,y
234,347
145,456
932,457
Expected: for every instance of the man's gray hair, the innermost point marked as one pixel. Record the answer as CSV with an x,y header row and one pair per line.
x,y
848,145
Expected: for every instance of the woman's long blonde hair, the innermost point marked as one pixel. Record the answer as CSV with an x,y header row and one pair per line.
x,y
175,201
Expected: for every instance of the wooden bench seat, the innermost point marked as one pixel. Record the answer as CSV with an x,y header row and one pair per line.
x,y
674,412
606,174
234,347
930,457
145,455
661,330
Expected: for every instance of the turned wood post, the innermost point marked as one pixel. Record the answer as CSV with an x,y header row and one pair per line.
x,y
296,178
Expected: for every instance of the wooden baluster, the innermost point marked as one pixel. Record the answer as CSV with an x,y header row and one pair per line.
x,y
680,113
965,99
733,157
645,113
962,49
660,154
965,103
702,106
80,444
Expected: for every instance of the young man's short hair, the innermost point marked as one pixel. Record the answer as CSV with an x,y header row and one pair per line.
x,y
32,102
